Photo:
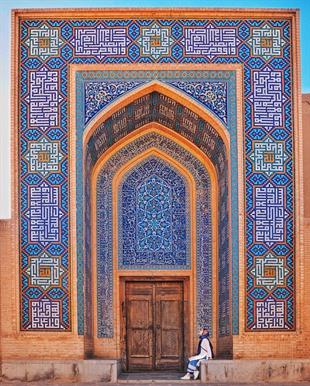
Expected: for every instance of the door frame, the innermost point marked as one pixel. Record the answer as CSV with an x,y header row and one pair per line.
x,y
185,280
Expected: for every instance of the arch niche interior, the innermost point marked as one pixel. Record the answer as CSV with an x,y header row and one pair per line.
x,y
156,140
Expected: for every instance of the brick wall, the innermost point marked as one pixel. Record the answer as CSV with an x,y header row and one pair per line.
x,y
306,152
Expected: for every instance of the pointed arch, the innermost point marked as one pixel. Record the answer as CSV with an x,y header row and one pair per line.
x,y
171,92
188,148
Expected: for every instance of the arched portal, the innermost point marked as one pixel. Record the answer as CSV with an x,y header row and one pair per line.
x,y
110,150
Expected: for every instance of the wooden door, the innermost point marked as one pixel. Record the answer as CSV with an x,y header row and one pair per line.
x,y
169,326
154,326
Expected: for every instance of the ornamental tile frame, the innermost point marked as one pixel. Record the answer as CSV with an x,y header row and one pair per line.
x,y
172,114
267,41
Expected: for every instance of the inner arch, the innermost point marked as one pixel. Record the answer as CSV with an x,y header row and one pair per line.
x,y
103,183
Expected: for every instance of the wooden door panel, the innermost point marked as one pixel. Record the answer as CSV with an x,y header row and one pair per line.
x,y
170,344
170,318
140,313
140,337
169,326
140,344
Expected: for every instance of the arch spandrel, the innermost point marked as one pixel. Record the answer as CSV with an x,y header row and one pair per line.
x,y
164,89
156,107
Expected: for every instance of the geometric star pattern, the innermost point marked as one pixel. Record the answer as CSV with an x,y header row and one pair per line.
x,y
44,156
268,156
266,41
155,41
44,42
270,271
45,271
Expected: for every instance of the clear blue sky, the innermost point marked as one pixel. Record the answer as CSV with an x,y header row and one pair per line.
x,y
5,19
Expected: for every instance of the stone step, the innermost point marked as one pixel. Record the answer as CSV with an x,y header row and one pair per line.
x,y
64,371
281,371
214,372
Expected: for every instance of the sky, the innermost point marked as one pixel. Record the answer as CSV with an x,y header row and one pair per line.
x,y
5,44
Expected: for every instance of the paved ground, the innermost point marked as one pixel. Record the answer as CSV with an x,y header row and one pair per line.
x,y
139,383
151,379
152,384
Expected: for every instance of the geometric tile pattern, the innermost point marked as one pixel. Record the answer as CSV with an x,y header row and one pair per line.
x,y
210,41
45,271
262,46
45,314
270,314
100,41
267,98
43,99
266,42
155,41
153,214
211,94
100,94
268,156
44,214
44,156
44,42
269,214
153,224
270,271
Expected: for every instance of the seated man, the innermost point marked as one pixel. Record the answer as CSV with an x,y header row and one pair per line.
x,y
205,351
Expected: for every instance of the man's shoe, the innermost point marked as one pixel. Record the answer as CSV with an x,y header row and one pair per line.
x,y
186,377
196,374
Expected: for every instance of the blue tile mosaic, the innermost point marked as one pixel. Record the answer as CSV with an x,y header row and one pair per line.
x,y
154,219
264,48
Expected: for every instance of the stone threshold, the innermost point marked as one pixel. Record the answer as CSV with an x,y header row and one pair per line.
x,y
163,377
